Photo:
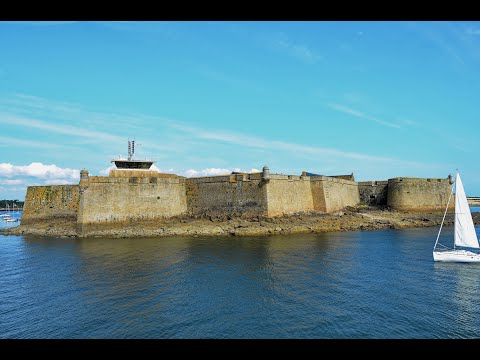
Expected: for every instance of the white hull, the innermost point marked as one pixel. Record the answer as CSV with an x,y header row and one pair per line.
x,y
456,256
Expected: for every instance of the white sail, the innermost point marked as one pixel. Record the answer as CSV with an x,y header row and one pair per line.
x,y
465,234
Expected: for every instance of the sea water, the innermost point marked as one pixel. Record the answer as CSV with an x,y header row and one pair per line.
x,y
359,284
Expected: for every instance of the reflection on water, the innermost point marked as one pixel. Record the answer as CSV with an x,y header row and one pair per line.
x,y
12,214
371,284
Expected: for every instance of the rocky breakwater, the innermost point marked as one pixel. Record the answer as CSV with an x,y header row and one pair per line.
x,y
351,218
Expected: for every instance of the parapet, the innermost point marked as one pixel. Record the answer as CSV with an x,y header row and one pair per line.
x,y
416,180
333,179
373,183
141,174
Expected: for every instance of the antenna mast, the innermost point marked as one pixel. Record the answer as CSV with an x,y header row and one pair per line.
x,y
131,149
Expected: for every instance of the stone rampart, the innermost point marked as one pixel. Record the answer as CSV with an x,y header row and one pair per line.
x,y
229,195
53,201
332,194
288,194
373,192
129,200
415,194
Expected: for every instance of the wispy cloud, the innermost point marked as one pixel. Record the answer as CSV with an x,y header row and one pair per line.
x,y
165,28
56,128
174,129
91,126
441,35
281,146
214,172
40,23
472,31
294,49
346,110
34,107
410,122
11,141
11,182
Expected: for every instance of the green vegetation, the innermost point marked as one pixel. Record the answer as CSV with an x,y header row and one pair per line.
x,y
18,204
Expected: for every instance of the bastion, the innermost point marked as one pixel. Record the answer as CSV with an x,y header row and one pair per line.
x,y
133,194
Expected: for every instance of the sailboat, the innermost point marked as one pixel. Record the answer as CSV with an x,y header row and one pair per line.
x,y
465,237
6,215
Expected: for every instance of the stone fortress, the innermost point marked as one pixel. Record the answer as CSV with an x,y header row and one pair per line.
x,y
133,194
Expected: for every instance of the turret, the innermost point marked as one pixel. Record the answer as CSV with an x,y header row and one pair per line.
x,y
84,178
450,179
266,173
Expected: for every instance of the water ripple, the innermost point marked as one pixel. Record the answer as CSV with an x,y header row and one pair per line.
x,y
374,284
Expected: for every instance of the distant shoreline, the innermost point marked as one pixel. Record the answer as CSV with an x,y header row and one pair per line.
x,y
350,219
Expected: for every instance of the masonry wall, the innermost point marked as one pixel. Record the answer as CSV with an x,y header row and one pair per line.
x,y
47,202
230,195
332,194
373,192
288,194
129,200
413,194
126,199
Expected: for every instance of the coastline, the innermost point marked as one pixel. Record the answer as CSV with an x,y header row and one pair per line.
x,y
349,219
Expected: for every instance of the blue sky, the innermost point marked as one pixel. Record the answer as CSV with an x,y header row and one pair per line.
x,y
379,99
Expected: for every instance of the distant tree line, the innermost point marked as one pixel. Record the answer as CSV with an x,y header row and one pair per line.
x,y
18,203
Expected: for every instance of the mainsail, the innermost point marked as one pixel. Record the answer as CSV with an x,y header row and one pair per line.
x,y
465,234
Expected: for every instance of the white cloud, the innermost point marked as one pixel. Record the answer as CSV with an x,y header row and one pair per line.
x,y
39,170
61,182
106,171
214,172
155,168
206,172
11,182
356,113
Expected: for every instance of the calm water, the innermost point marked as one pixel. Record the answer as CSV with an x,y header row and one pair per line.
x,y
370,284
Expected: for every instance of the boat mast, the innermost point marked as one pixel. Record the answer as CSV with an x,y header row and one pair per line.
x,y
455,219
448,202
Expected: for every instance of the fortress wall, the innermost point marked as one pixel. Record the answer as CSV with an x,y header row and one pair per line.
x,y
234,195
373,192
288,194
130,200
414,194
54,201
332,194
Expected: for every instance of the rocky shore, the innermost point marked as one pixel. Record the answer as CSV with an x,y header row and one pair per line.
x,y
352,218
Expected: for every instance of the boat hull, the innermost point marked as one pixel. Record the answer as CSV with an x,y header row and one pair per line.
x,y
456,256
